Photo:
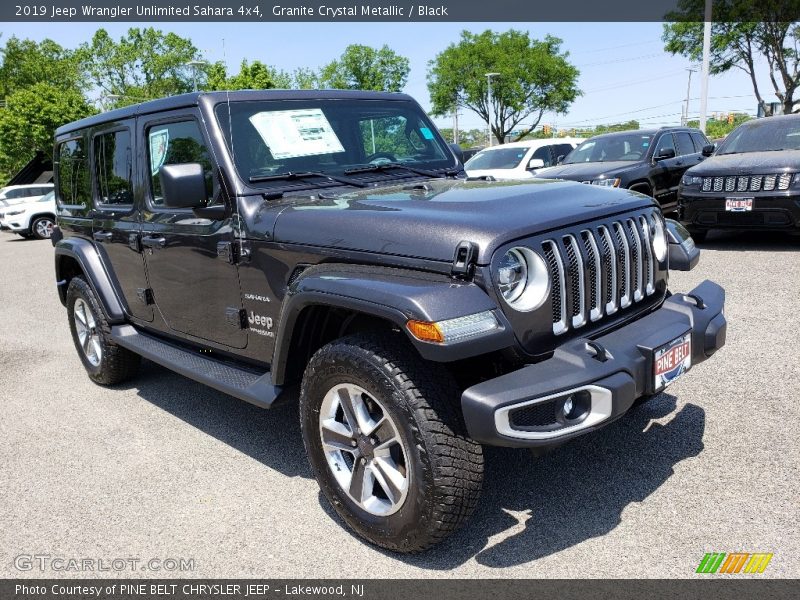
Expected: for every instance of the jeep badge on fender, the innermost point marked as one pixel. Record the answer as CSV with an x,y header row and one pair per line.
x,y
259,240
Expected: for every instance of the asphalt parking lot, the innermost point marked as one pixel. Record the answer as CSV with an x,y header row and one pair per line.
x,y
165,468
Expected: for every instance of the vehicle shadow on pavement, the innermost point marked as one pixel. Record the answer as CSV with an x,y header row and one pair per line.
x,y
539,506
272,437
749,241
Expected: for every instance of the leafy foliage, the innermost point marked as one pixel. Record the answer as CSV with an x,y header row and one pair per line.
x,y
143,64
741,32
366,68
26,62
719,128
533,77
30,118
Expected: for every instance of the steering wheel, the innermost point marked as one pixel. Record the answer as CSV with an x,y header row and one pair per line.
x,y
383,157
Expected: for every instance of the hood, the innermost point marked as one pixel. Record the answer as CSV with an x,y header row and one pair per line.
x,y
429,219
585,171
749,163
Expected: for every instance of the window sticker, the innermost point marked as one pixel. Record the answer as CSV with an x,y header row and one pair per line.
x,y
426,133
295,133
159,144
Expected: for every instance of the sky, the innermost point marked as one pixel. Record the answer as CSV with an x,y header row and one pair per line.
x,y
624,71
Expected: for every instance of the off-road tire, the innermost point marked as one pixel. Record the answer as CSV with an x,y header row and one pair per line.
x,y
446,467
116,363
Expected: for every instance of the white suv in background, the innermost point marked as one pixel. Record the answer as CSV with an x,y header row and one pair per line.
x,y
17,194
519,160
32,218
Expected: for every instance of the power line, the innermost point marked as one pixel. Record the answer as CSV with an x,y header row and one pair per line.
x,y
596,50
621,60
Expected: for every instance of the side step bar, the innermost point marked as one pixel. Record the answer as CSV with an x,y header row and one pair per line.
x,y
239,383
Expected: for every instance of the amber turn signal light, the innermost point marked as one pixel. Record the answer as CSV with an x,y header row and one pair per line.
x,y
425,331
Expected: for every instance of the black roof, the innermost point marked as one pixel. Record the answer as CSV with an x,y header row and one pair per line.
x,y
651,131
195,98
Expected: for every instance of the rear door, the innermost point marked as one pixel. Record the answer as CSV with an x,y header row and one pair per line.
x,y
666,174
194,286
116,226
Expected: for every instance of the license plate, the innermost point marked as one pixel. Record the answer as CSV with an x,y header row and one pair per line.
x,y
738,204
672,360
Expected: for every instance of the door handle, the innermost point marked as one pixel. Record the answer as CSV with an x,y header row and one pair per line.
x,y
154,242
102,236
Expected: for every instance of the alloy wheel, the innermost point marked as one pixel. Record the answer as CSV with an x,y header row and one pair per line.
x,y
86,328
364,450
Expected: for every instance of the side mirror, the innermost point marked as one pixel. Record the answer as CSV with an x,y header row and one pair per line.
x,y
183,185
458,152
664,154
709,149
683,254
535,163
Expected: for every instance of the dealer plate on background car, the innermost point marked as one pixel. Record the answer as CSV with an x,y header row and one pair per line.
x,y
738,204
672,360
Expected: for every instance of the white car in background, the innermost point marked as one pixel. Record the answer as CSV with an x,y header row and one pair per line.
x,y
17,194
519,160
34,218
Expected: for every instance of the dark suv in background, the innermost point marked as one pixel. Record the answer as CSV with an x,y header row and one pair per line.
x,y
650,161
751,182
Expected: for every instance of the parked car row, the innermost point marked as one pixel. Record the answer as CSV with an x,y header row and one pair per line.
x,y
28,210
749,180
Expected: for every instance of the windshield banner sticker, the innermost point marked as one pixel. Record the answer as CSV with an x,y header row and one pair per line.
x,y
159,143
295,133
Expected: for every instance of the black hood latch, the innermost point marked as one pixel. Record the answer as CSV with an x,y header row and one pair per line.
x,y
464,260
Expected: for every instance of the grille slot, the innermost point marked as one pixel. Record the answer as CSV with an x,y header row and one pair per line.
x,y
600,271
748,183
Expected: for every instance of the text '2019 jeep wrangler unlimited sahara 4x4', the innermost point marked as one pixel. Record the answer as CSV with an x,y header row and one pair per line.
x,y
256,240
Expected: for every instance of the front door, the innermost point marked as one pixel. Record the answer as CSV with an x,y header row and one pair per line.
x,y
115,223
666,174
194,287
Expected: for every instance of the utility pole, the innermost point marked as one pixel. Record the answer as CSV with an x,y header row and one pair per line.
x,y
685,119
455,123
706,54
489,103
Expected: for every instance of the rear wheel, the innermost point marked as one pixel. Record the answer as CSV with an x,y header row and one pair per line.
x,y
42,228
104,361
387,443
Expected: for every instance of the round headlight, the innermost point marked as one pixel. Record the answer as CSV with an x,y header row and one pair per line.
x,y
659,240
523,279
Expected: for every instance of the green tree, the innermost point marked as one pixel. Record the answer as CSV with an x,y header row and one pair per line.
x,y
718,128
29,120
26,62
743,31
366,68
533,77
141,65
252,76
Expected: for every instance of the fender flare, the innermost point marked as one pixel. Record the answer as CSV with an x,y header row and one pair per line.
x,y
395,295
88,259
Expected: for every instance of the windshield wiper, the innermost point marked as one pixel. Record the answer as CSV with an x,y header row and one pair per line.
x,y
387,166
291,175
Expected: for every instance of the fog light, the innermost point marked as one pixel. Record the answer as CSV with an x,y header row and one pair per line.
x,y
576,406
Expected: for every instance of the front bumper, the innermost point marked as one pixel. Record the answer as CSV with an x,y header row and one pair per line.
x,y
610,386
704,210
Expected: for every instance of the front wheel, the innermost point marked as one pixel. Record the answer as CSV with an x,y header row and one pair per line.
x,y
42,228
387,443
105,362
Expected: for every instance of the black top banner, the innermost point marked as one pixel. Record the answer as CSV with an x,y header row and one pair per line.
x,y
395,10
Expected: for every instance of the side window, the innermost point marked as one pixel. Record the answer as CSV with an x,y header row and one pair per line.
x,y
176,143
665,143
700,141
561,150
112,160
74,185
685,145
544,154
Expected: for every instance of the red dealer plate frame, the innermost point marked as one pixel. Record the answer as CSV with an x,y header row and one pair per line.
x,y
738,204
672,360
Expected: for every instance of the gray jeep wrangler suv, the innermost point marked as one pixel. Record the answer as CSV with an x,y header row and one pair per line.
x,y
257,241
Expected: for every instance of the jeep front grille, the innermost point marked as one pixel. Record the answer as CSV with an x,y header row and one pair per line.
x,y
604,269
747,183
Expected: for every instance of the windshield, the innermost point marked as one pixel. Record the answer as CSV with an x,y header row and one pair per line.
x,y
631,146
275,137
500,158
763,135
